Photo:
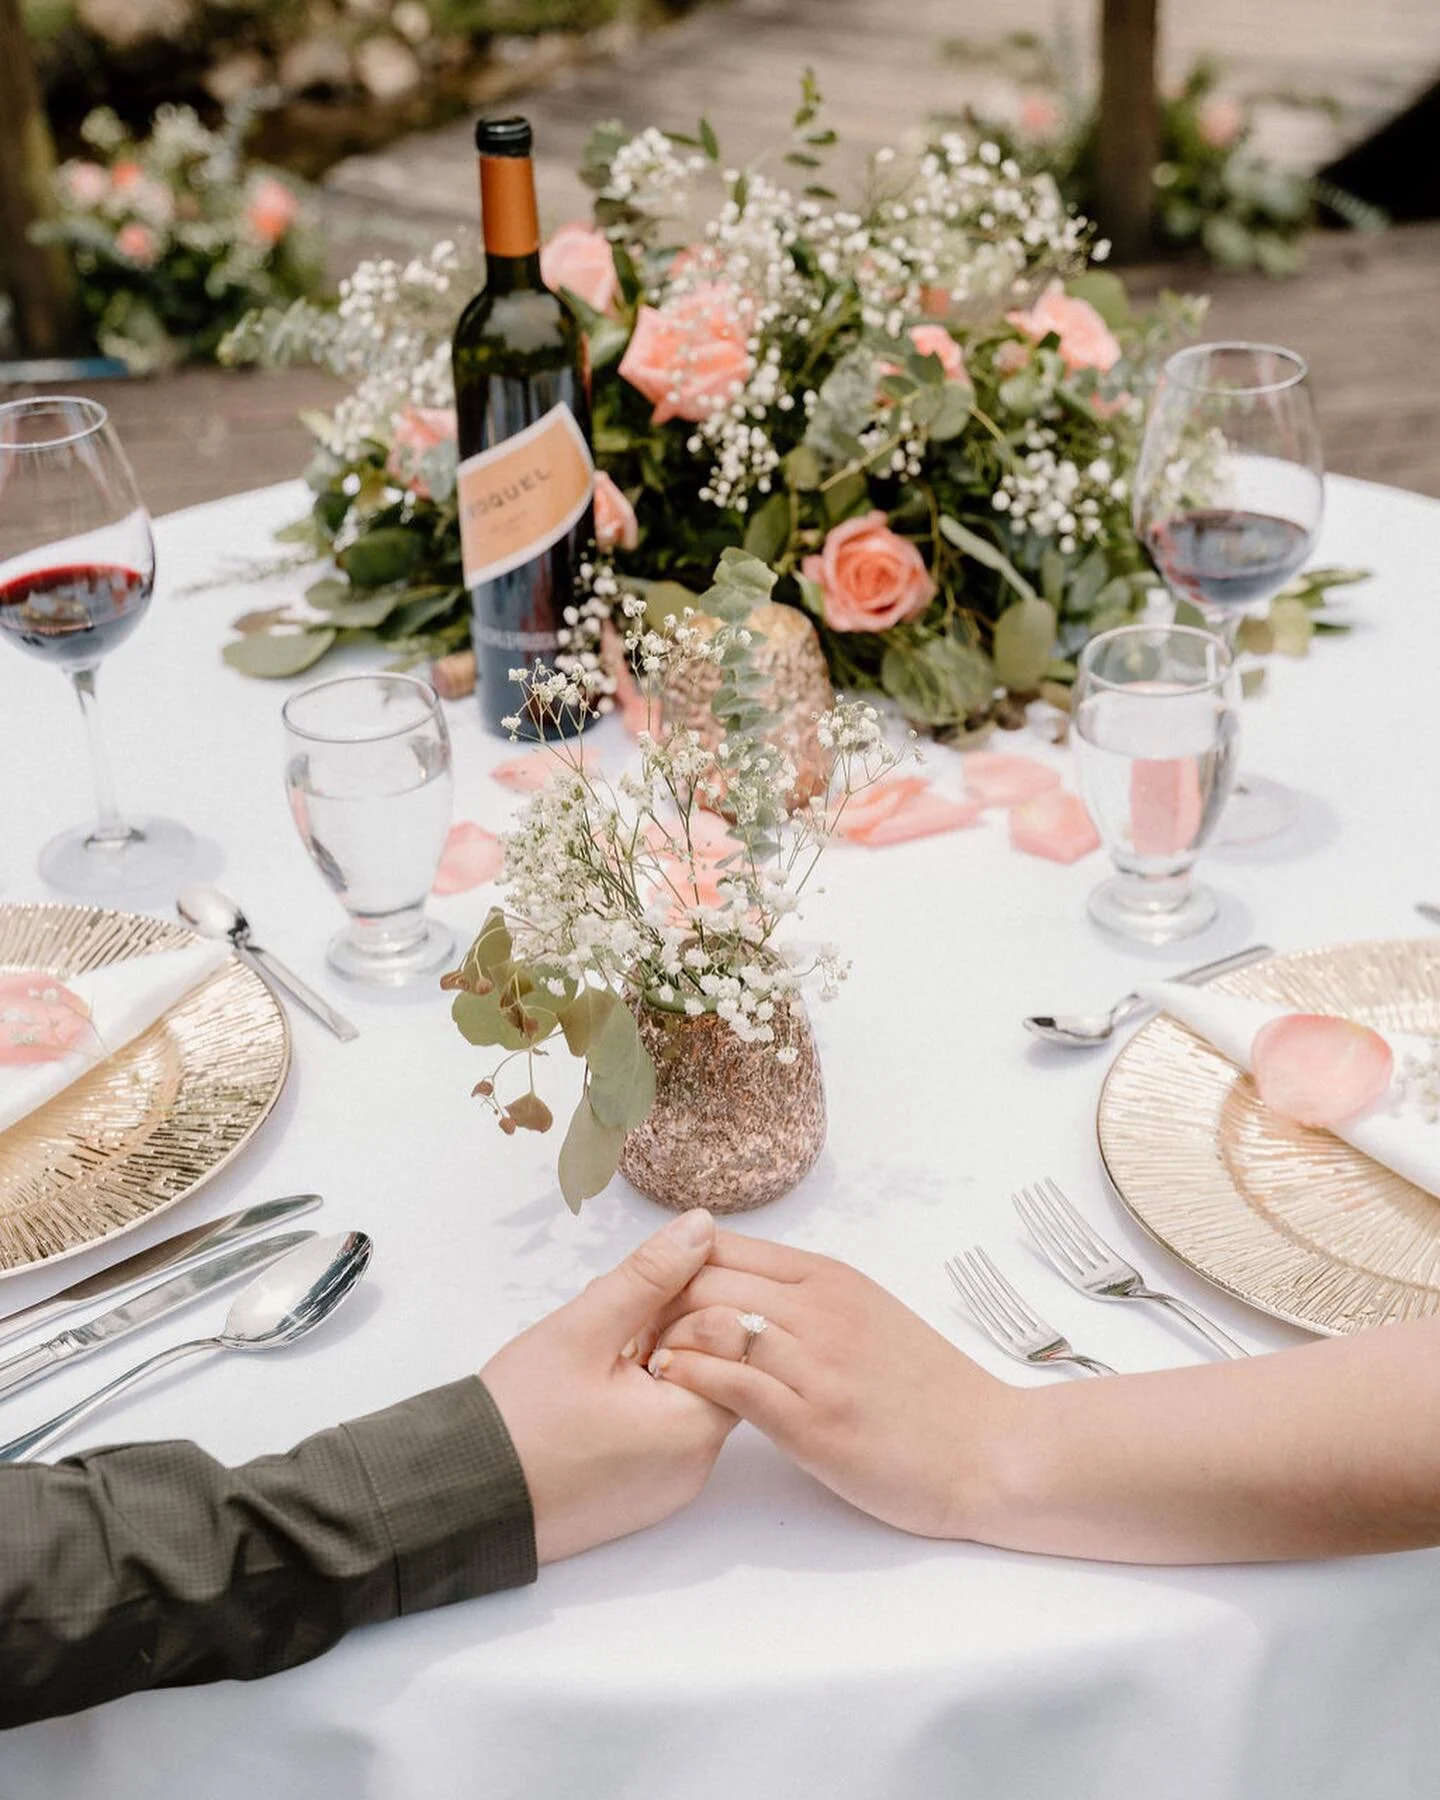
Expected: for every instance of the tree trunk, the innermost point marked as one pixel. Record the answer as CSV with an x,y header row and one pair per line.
x,y
38,277
1127,137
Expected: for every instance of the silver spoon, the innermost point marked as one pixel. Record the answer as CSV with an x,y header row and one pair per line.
x,y
292,1297
213,914
1080,1031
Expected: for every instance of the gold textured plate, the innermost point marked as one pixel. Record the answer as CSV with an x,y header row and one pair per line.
x,y
1290,1219
144,1128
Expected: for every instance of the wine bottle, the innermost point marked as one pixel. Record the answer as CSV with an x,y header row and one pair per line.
x,y
526,476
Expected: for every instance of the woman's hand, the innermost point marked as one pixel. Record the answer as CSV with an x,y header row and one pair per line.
x,y
606,1450
845,1379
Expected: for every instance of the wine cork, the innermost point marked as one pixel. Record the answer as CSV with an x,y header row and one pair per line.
x,y
453,676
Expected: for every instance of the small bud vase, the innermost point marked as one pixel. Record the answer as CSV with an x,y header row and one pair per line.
x,y
732,1127
797,691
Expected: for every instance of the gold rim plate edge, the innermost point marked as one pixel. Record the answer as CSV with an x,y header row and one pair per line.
x,y
1292,1222
145,1129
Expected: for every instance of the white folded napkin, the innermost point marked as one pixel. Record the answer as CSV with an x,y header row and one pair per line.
x,y
125,999
1404,1141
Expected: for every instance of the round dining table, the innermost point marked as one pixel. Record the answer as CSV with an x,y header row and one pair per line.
x,y
770,1642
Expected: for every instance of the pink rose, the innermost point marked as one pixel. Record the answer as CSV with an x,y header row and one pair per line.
x,y
86,183
935,302
688,357
935,340
138,242
418,431
1039,115
1011,357
871,578
1220,121
615,521
1086,341
270,210
579,258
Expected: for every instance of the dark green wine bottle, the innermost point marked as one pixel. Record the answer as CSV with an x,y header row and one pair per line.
x,y
526,476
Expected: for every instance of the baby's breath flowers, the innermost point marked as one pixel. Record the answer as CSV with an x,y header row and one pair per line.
x,y
665,888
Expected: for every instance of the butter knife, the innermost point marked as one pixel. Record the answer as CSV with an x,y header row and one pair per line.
x,y
172,1253
20,1370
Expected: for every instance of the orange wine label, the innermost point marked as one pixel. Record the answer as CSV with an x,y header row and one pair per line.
x,y
518,498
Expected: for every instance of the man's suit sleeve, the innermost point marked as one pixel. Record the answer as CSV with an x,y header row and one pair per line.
x,y
152,1565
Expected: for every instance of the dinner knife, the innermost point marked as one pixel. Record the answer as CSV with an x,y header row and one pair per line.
x,y
172,1253
153,1303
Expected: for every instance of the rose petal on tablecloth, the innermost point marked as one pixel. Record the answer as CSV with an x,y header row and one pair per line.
x,y
922,815
1318,1069
996,779
41,1020
853,818
1165,804
1055,825
471,857
527,774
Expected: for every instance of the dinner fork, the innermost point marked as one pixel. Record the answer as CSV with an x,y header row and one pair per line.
x,y
1077,1253
1007,1320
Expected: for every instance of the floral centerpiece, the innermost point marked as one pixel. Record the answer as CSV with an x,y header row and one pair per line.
x,y
920,411
636,914
174,239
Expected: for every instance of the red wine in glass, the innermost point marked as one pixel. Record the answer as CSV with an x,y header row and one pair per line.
x,y
77,565
1223,557
73,615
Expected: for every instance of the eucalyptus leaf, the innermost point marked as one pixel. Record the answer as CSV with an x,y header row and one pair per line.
x,y
983,551
1024,644
953,413
270,656
589,1156
329,592
584,1017
843,405
1292,626
1105,292
480,1019
939,682
768,532
622,1076
802,468
845,497
663,600
379,557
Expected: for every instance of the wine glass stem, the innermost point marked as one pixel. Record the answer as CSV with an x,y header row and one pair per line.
x,y
110,828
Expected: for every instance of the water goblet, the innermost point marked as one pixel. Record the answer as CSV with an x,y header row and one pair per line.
x,y
1228,497
77,568
368,775
1157,724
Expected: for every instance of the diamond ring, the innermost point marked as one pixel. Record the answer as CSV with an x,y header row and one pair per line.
x,y
752,1324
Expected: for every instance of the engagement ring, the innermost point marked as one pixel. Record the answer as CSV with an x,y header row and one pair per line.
x,y
752,1324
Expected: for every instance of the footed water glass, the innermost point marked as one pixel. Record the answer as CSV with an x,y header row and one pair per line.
x,y
1157,727
368,774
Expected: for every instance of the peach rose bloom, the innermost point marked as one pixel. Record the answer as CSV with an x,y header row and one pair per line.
x,y
1086,341
870,578
270,210
418,431
138,242
615,522
85,182
935,302
579,258
935,340
688,357
1221,120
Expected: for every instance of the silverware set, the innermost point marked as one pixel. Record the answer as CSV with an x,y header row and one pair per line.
x,y
300,1278
1083,1031
1080,1256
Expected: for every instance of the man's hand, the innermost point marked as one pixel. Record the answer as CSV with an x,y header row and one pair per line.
x,y
606,1449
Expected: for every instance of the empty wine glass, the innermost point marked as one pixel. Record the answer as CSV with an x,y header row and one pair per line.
x,y
1228,499
1157,722
77,566
368,775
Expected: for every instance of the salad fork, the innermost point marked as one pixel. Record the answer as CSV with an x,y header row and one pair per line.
x,y
1007,1320
1078,1254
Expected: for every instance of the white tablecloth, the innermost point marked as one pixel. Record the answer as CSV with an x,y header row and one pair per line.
x,y
770,1641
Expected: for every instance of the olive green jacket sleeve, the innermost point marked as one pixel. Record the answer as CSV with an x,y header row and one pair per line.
x,y
152,1565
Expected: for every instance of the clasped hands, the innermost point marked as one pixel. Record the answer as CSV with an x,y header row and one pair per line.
x,y
619,1402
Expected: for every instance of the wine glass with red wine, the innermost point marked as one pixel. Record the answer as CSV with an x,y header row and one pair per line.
x,y
1228,499
77,565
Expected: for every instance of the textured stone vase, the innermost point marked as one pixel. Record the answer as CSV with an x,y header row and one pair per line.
x,y
731,1128
797,690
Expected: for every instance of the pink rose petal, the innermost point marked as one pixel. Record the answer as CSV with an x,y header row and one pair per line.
x,y
998,780
527,774
471,856
40,1020
922,815
856,817
1055,825
1319,1070
1165,805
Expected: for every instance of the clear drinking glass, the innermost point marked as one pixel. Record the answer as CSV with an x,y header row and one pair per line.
x,y
368,775
77,566
1228,498
1157,724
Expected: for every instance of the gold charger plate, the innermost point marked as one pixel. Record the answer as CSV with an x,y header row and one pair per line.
x,y
1289,1219
144,1128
